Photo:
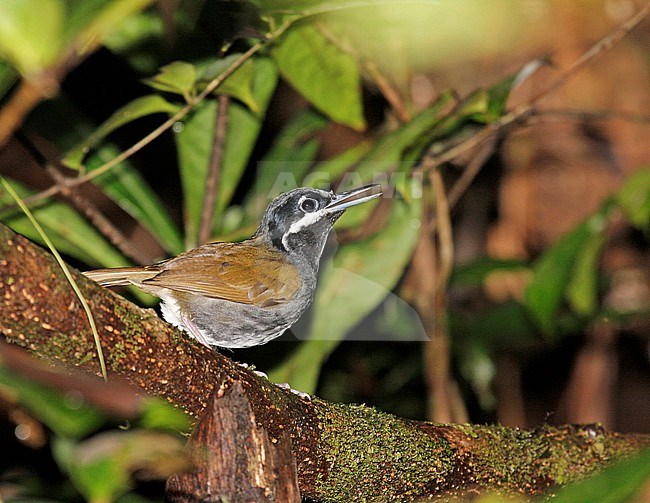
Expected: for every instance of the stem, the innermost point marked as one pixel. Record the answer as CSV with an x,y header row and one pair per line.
x,y
214,170
92,213
529,108
216,82
26,97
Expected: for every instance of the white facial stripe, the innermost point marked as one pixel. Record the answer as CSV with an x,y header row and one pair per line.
x,y
306,221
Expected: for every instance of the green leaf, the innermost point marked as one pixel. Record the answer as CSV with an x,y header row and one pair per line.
x,y
325,75
62,413
498,97
159,414
102,467
238,85
292,154
553,272
634,198
177,77
102,479
359,279
391,159
195,143
31,33
8,77
617,483
582,290
91,21
140,107
389,151
134,38
128,189
70,232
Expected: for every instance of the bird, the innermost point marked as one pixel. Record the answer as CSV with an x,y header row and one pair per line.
x,y
243,294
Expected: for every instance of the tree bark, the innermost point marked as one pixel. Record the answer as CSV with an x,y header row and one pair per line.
x,y
234,458
342,452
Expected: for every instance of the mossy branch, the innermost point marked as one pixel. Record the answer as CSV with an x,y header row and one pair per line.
x,y
342,452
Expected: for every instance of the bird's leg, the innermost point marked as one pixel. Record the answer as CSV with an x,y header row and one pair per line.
x,y
193,330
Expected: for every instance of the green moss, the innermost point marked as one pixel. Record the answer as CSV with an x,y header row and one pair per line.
x,y
534,461
406,460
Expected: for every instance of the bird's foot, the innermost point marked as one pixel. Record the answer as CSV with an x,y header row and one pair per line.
x,y
287,386
258,373
283,385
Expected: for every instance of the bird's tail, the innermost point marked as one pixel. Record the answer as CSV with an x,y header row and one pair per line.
x,y
121,276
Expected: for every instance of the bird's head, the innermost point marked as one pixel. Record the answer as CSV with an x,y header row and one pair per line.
x,y
299,221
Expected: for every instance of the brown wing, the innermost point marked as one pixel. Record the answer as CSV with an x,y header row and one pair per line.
x,y
239,272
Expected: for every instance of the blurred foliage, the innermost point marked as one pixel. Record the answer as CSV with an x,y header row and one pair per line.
x,y
324,49
103,461
623,481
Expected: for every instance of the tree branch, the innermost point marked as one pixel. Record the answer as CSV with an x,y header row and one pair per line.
x,y
342,452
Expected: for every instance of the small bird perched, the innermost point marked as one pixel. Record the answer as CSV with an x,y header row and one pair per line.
x,y
238,295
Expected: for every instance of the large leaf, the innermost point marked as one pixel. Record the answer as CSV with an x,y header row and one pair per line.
x,y
554,270
328,77
618,483
238,85
133,194
31,33
195,144
140,107
69,231
360,277
34,33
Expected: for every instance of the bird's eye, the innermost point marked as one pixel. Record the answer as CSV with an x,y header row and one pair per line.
x,y
308,205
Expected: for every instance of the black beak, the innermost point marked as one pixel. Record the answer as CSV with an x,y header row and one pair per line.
x,y
353,197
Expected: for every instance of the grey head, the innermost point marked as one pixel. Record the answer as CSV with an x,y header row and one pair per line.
x,y
299,221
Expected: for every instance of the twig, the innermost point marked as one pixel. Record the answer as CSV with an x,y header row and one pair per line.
x,y
214,170
26,96
445,401
593,115
66,272
92,213
443,231
389,92
526,109
45,84
469,173
101,223
216,82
